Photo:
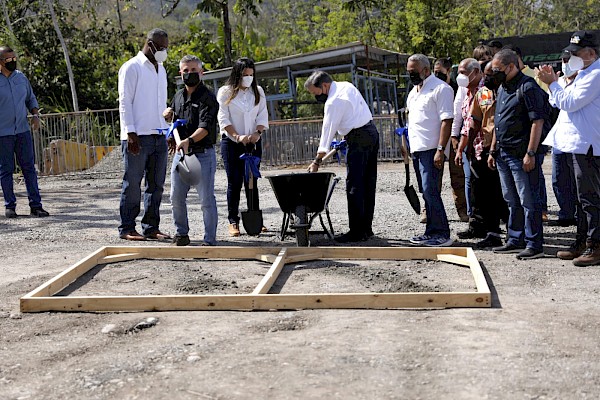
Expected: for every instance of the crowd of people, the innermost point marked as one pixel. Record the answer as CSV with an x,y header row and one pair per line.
x,y
492,122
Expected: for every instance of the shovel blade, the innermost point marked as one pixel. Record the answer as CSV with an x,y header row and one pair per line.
x,y
413,198
253,221
190,170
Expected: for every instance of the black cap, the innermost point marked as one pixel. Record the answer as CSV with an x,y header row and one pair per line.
x,y
581,39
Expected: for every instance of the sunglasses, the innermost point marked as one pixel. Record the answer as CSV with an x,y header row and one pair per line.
x,y
7,60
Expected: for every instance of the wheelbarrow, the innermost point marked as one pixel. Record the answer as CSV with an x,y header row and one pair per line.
x,y
303,197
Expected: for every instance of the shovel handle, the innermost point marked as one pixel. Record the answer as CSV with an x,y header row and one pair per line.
x,y
329,154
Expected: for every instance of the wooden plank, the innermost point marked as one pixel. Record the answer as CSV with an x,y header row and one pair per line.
x,y
478,275
454,259
118,258
226,252
270,258
271,276
257,302
381,253
303,257
68,276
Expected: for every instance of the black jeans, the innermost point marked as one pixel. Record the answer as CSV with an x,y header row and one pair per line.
x,y
234,167
587,176
361,178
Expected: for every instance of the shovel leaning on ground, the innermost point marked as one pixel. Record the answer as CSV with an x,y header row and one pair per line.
x,y
409,190
253,218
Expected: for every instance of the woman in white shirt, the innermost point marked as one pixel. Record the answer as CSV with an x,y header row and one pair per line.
x,y
243,117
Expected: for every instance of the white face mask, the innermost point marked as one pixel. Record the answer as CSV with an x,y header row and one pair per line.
x,y
160,56
247,81
575,63
567,71
462,80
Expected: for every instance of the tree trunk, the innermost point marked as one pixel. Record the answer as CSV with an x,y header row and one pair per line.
x,y
226,33
120,20
66,52
7,18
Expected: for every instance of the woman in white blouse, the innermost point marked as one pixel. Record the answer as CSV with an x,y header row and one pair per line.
x,y
243,117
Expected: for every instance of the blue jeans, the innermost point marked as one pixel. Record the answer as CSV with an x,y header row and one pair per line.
x,y
542,186
437,221
206,193
563,184
20,145
468,194
151,163
522,194
235,167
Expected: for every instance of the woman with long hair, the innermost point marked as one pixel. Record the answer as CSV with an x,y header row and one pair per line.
x,y
243,118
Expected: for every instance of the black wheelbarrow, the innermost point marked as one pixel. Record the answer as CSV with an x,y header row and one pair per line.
x,y
303,197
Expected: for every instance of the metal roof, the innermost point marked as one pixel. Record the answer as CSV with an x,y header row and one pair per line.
x,y
368,57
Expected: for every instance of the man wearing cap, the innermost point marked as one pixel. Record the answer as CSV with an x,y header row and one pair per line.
x,y
581,102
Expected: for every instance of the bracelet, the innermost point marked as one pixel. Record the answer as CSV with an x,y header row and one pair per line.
x,y
317,161
35,116
259,132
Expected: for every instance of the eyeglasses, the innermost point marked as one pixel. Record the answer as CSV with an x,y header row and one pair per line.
x,y
496,70
157,48
7,60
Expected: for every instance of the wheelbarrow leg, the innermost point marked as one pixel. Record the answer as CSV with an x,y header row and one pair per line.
x,y
284,225
330,233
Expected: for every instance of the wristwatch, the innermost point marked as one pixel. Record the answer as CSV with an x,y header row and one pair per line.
x,y
440,147
531,153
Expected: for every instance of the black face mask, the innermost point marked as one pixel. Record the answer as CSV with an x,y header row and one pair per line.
x,y
11,66
191,78
321,98
499,77
415,78
440,75
490,82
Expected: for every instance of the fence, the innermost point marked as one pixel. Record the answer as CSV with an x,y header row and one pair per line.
x,y
89,141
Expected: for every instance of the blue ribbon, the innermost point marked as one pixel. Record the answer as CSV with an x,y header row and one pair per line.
x,y
251,165
174,125
341,148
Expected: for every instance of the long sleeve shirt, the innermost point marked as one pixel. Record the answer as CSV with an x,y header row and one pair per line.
x,y
581,101
242,112
345,109
16,98
142,97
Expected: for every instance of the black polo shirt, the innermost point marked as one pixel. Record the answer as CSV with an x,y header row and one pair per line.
x,y
520,101
200,110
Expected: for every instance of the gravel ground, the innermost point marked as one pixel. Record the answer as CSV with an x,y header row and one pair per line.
x,y
538,341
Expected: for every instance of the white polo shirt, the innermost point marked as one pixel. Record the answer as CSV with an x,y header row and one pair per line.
x,y
142,97
427,108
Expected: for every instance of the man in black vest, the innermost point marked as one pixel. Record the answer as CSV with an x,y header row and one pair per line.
x,y
198,106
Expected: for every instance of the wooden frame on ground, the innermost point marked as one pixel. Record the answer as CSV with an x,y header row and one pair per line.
x,y
43,298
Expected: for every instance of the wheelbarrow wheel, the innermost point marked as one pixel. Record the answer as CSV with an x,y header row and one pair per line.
x,y
302,226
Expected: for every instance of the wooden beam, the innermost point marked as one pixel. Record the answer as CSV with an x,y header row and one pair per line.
x,y
478,275
119,258
380,253
453,259
271,276
270,258
232,252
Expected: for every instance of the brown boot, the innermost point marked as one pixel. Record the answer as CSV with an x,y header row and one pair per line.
x,y
591,255
234,230
575,250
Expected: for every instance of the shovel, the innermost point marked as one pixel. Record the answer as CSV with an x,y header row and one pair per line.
x,y
409,190
189,167
252,219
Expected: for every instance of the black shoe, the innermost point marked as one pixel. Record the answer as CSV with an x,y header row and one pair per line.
x,y
563,222
471,234
10,213
349,237
489,241
39,212
508,248
529,254
181,240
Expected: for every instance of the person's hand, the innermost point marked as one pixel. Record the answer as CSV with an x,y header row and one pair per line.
x,y
313,167
244,139
172,144
546,74
133,143
255,137
438,159
454,142
458,158
168,114
491,162
184,145
528,163
35,123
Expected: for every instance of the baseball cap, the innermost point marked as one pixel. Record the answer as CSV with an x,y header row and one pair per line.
x,y
581,39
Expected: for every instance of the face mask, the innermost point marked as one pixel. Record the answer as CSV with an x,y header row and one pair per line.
x,y
575,63
160,56
567,71
415,78
321,98
500,77
462,80
247,81
11,66
191,78
490,82
441,76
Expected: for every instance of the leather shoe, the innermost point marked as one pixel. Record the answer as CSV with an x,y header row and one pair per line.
x,y
39,212
349,237
181,240
158,235
471,233
234,230
10,213
133,235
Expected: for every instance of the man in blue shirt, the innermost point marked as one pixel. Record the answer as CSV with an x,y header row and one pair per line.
x,y
521,119
581,101
16,99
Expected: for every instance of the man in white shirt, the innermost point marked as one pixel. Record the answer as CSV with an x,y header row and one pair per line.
x,y
142,99
347,113
430,115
